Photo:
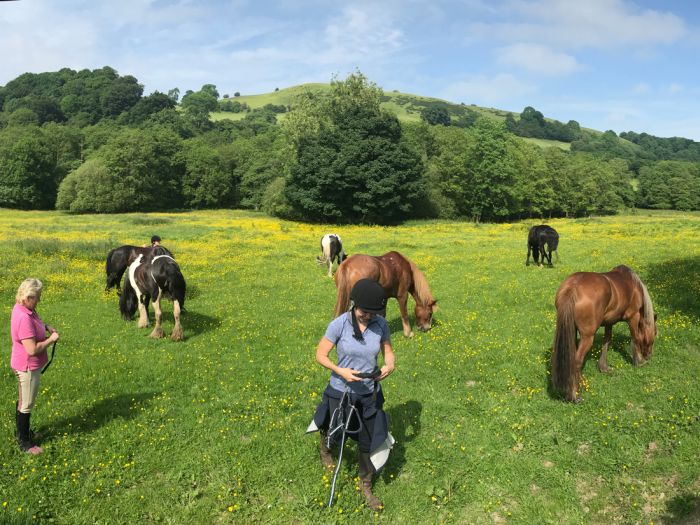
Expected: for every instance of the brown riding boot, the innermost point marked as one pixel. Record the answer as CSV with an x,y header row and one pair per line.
x,y
366,473
325,453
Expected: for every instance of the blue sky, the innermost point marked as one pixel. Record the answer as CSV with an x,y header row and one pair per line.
x,y
608,64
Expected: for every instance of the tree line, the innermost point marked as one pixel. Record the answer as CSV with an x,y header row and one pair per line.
x,y
90,141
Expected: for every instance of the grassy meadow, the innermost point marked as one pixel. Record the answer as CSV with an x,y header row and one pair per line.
x,y
211,430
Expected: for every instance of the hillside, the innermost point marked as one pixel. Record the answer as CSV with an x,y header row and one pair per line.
x,y
405,106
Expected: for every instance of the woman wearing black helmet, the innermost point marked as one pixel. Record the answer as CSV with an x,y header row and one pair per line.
x,y
358,336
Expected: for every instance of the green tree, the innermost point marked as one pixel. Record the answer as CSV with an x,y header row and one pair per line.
x,y
197,106
27,169
136,170
350,164
209,180
435,115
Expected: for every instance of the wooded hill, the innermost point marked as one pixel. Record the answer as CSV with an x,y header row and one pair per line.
x,y
90,141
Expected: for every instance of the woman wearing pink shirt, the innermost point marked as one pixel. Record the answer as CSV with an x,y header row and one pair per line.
x,y
29,346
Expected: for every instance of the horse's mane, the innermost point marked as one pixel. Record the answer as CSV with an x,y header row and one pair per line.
x,y
420,285
647,306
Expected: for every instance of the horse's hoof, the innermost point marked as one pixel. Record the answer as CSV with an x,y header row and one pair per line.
x,y
409,334
157,334
604,369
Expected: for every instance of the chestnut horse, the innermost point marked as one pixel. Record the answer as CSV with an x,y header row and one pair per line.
x,y
587,300
397,275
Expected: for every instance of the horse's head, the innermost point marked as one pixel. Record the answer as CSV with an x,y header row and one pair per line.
x,y
648,332
424,315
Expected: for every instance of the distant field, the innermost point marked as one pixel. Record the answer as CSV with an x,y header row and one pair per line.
x,y
212,430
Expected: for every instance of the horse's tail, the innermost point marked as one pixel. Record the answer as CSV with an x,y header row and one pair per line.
x,y
112,276
420,286
128,302
564,351
554,241
176,284
342,287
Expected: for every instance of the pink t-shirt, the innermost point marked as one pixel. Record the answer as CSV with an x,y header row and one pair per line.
x,y
26,324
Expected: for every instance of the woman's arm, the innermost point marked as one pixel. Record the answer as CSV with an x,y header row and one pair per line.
x,y
324,348
34,348
389,359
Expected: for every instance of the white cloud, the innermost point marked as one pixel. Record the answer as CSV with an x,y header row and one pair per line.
x,y
674,88
603,24
641,88
485,91
537,58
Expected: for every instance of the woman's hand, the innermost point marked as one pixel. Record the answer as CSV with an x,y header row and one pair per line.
x,y
53,337
386,371
348,374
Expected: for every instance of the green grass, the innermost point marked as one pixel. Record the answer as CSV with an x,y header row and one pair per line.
x,y
212,430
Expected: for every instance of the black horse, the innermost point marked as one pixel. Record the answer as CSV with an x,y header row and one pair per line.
x,y
119,259
152,277
537,238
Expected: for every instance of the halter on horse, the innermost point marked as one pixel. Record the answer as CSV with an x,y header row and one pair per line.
x,y
587,300
153,276
537,238
397,275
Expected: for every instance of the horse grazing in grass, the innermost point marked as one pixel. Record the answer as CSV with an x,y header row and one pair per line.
x,y
119,259
587,300
397,275
152,277
537,238
332,249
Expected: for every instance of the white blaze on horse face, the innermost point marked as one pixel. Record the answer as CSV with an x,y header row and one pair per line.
x,y
132,269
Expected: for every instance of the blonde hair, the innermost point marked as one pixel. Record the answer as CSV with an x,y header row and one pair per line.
x,y
29,288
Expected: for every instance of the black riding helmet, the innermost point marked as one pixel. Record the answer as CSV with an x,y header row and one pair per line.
x,y
368,295
155,238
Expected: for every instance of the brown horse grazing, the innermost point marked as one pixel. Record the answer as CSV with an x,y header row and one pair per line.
x,y
584,302
397,275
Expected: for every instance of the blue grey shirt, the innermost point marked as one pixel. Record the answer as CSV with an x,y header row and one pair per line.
x,y
358,355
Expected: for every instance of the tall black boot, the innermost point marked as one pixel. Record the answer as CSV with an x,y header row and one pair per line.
x,y
366,473
24,435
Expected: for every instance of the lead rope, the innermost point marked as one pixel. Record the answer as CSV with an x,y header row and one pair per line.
x,y
345,427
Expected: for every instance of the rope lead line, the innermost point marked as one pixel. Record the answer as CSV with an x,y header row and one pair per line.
x,y
344,426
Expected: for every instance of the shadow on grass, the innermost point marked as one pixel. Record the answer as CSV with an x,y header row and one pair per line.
x,y
682,510
125,406
195,323
672,284
405,426
620,344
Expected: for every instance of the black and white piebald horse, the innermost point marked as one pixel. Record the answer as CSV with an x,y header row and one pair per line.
x,y
151,277
537,238
332,249
118,261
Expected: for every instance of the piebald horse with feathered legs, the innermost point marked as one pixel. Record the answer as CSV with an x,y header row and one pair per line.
x,y
584,302
152,277
397,275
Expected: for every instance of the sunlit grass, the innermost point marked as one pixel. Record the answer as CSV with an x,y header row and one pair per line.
x,y
212,430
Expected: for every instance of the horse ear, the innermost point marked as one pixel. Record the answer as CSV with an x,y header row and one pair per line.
x,y
434,306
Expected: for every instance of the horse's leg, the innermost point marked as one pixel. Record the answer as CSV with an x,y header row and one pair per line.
x,y
143,314
603,361
177,334
330,267
584,346
403,301
157,332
